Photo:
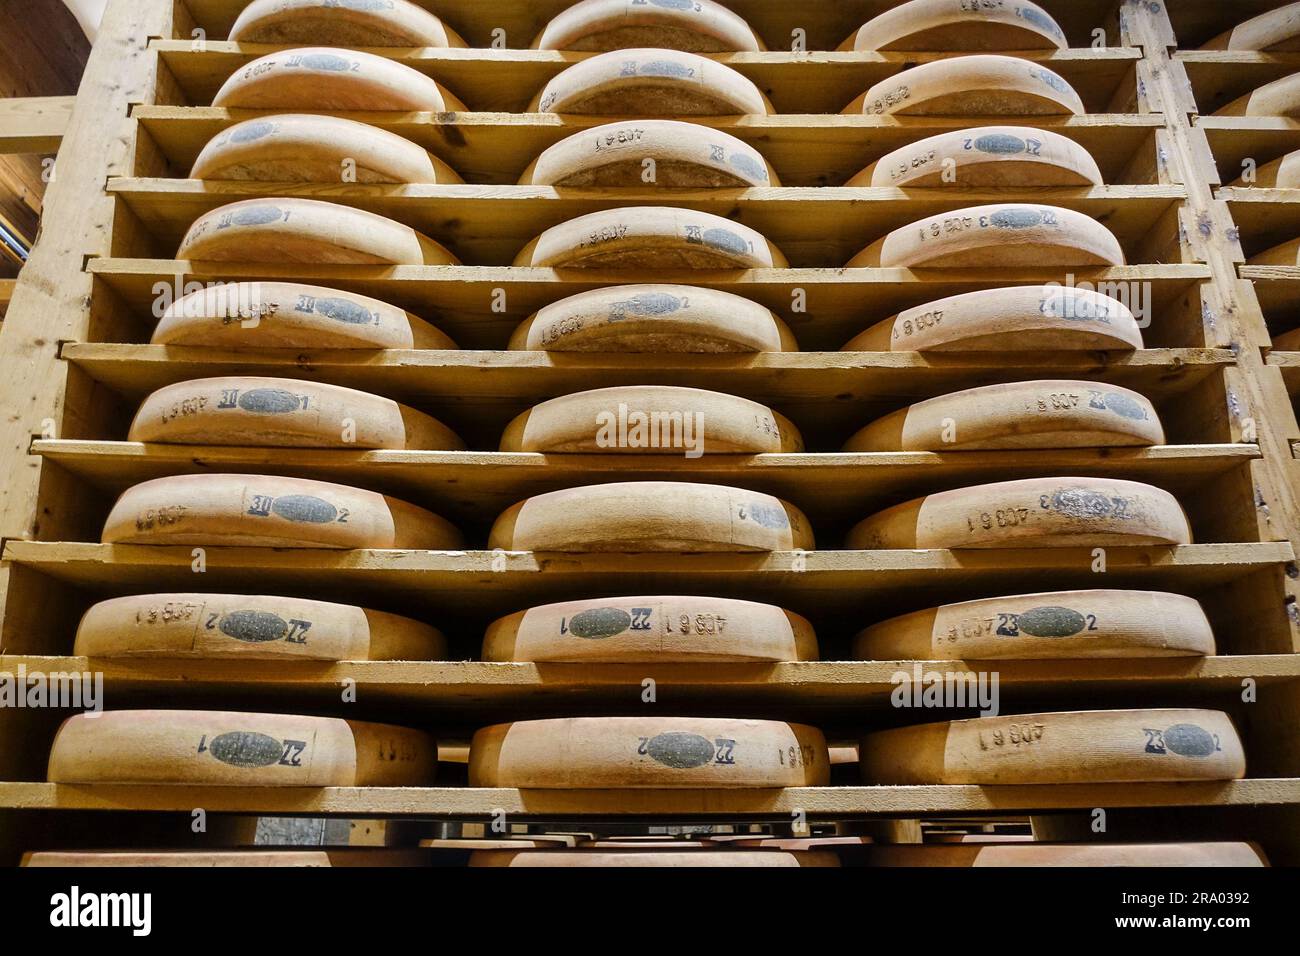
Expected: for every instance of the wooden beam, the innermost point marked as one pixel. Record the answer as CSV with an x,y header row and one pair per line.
x,y
34,124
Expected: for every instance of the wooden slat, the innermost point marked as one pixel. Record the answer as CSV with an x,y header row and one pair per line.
x,y
34,124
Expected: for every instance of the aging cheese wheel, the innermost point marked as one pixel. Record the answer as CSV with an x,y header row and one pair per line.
x,y
650,82
698,26
652,419
653,858
1032,318
982,85
1043,414
654,318
593,753
1281,173
1274,30
297,148
1058,624
306,230
346,23
684,156
1279,98
1003,235
1068,854
259,314
951,25
1101,746
1031,513
658,630
231,749
270,511
651,237
326,78
251,626
1286,254
218,858
987,156
634,516
283,412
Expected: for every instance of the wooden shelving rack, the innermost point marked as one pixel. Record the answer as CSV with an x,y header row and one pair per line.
x,y
76,367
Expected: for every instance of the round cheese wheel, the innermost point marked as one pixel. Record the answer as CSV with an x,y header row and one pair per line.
x,y
1273,30
1286,254
1068,854
635,516
1281,173
218,748
981,85
1058,624
650,82
652,858
651,237
654,318
593,753
699,26
233,315
1090,746
309,231
1002,235
1031,318
251,626
652,419
951,25
1031,513
684,156
657,630
984,157
252,411
346,23
1043,414
270,511
1279,98
297,148
211,858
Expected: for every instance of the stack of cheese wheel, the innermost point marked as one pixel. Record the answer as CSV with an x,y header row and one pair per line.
x,y
1031,513
656,629
666,153
1281,173
665,856
283,412
700,26
982,85
1277,30
215,748
651,82
1003,235
1279,98
654,318
1104,746
349,24
652,419
1068,625
652,516
270,511
579,753
984,157
1068,854
1028,318
1041,414
292,315
245,626
949,25
352,856
650,238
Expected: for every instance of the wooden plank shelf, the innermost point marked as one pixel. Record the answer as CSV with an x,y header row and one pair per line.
x,y
34,124
1265,217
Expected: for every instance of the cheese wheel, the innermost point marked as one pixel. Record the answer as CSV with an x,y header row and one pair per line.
x,y
252,411
1287,341
1068,854
951,25
685,156
635,516
981,85
217,748
1279,98
654,318
1286,254
1281,173
698,26
251,627
1031,513
233,315
1031,318
307,231
652,419
651,237
984,157
593,753
327,78
650,82
1002,235
270,511
1043,414
1068,625
295,148
346,23
1273,30
653,630
216,858
1090,746
652,858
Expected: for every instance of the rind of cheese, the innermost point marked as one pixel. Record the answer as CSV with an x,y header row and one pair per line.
x,y
344,23
1279,98
1273,30
725,859
979,85
985,157
953,25
1068,854
698,26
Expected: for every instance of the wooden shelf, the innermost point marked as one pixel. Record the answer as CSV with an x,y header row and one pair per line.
x,y
1235,139
1220,76
1265,217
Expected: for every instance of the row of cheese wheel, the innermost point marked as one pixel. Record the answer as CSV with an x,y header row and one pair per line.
x,y
641,516
649,629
